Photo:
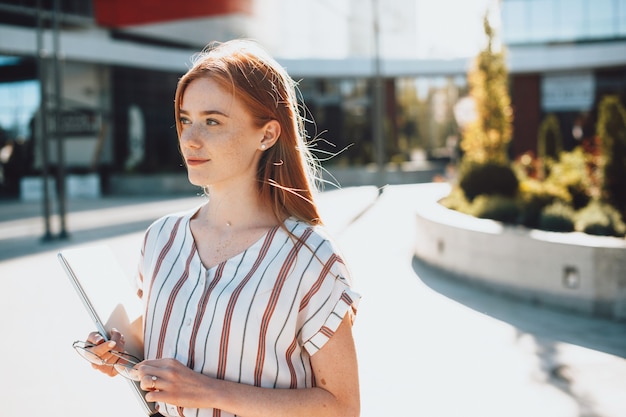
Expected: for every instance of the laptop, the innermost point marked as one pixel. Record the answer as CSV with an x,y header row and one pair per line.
x,y
109,299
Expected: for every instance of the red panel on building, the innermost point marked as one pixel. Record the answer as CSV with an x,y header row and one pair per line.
x,y
526,101
121,13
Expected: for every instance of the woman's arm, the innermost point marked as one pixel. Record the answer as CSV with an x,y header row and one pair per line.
x,y
336,394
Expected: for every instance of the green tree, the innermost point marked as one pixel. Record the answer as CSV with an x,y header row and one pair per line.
x,y
549,140
549,144
611,129
486,139
485,167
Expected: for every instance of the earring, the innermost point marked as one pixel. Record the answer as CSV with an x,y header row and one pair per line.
x,y
263,146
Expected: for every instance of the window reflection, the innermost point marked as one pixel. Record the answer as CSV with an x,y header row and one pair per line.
x,y
19,101
572,21
419,118
529,21
601,20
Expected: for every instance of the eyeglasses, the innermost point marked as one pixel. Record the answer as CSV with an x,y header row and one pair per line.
x,y
124,366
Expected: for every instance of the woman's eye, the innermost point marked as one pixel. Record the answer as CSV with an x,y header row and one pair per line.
x,y
209,122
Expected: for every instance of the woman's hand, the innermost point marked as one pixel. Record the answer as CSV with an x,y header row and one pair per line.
x,y
336,372
171,382
103,348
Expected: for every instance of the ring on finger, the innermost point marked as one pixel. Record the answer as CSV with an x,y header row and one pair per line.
x,y
154,380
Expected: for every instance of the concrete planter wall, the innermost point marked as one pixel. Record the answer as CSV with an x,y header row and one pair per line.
x,y
575,271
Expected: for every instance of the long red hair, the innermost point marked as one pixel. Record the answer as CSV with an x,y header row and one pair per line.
x,y
287,171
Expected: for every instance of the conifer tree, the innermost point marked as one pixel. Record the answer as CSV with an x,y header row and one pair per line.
x,y
549,140
486,139
549,144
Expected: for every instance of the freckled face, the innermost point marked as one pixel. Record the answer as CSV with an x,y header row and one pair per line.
x,y
218,139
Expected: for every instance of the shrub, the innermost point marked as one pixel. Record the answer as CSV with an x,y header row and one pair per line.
x,y
602,219
570,173
612,131
534,195
557,217
490,178
526,166
495,207
456,201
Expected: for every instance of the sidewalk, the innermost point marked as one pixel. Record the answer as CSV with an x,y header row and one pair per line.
x,y
427,345
432,347
22,226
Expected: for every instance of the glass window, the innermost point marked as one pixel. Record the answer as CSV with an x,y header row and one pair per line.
x,y
425,118
572,23
515,21
79,7
620,16
19,102
601,19
542,20
562,20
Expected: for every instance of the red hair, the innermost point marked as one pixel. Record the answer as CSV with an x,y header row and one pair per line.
x,y
286,171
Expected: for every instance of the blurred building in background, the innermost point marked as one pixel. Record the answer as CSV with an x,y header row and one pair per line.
x,y
119,63
564,56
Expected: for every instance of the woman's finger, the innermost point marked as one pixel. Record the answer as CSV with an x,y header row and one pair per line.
x,y
154,372
101,347
151,383
107,370
95,338
116,336
120,343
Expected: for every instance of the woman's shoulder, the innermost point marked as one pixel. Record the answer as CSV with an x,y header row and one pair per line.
x,y
302,229
320,251
316,237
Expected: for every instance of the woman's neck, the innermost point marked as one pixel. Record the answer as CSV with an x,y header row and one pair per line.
x,y
234,209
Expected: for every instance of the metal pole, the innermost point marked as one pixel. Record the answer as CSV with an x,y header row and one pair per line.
x,y
379,94
41,125
58,86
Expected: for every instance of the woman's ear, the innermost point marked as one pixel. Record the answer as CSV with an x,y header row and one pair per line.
x,y
271,133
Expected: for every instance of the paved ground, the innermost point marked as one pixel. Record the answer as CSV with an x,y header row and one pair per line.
x,y
428,345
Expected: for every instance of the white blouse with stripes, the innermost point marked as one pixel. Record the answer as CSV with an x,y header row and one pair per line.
x,y
256,318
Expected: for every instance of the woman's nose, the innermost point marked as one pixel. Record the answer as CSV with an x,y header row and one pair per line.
x,y
190,137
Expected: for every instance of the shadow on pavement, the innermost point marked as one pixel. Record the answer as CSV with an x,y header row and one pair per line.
x,y
16,209
546,325
31,245
22,231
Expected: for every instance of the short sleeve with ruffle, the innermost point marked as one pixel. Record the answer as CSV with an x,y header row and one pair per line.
x,y
327,301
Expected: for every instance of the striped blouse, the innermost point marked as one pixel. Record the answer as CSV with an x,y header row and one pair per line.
x,y
256,318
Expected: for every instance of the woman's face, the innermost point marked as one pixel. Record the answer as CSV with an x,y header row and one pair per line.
x,y
218,140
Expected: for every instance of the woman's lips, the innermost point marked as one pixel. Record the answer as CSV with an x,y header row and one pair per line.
x,y
196,161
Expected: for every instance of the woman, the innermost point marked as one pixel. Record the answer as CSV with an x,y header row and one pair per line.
x,y
248,305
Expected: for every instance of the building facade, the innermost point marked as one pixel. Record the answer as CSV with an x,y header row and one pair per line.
x,y
111,68
564,56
